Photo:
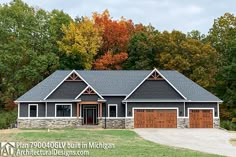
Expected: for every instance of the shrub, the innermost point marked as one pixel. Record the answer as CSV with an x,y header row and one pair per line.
x,y
7,118
225,113
234,120
228,125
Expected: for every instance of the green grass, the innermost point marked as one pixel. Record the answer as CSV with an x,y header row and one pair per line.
x,y
127,143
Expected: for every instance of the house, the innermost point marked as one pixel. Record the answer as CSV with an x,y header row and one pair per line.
x,y
118,99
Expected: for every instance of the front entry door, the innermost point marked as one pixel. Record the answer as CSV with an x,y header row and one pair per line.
x,y
90,114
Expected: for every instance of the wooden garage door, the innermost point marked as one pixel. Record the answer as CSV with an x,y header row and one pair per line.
x,y
155,118
201,118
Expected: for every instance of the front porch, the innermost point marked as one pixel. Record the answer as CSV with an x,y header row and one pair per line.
x,y
90,112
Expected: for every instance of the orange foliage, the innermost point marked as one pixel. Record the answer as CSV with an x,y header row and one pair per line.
x,y
116,33
110,62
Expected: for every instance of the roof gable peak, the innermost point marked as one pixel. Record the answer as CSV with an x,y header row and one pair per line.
x,y
157,76
75,75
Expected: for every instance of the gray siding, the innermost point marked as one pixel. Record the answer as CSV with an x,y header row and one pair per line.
x,y
164,104
201,105
41,110
89,97
68,90
114,100
51,108
24,109
74,109
155,90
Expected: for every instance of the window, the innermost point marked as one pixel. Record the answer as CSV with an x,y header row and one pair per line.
x,y
33,110
63,110
112,110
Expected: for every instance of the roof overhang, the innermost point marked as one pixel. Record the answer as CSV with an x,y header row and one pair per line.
x,y
161,100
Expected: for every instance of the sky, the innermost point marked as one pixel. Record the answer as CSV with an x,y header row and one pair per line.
x,y
183,15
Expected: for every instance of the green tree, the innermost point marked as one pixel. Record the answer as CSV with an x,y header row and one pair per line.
x,y
25,50
227,80
57,20
221,34
142,50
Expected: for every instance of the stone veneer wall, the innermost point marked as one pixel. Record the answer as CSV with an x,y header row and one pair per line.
x,y
216,122
114,123
129,123
49,123
182,122
111,123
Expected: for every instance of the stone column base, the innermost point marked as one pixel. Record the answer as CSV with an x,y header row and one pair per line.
x,y
113,123
129,123
216,123
182,122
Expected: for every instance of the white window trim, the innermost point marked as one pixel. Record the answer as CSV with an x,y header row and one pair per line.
x,y
61,105
159,108
109,105
37,112
18,110
47,118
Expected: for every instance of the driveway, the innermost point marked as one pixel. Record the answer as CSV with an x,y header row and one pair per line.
x,y
214,141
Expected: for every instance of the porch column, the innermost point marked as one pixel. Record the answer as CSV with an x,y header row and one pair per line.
x,y
100,107
78,110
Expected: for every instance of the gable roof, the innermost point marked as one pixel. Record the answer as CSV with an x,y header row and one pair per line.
x,y
81,93
155,70
118,83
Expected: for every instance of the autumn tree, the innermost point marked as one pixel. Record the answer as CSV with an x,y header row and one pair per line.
x,y
82,39
116,33
195,59
110,61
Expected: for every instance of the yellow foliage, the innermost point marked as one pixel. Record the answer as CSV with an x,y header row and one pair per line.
x,y
81,38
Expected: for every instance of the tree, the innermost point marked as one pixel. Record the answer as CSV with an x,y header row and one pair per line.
x,y
189,56
226,86
142,50
116,33
221,34
110,61
56,21
25,50
81,38
195,34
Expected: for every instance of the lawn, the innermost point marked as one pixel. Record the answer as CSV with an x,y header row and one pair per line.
x,y
127,143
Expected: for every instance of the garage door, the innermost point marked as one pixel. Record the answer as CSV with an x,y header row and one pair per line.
x,y
201,118
155,118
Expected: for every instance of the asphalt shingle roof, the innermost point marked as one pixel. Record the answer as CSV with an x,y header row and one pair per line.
x,y
119,82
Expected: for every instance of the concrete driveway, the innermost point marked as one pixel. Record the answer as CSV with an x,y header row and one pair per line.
x,y
214,141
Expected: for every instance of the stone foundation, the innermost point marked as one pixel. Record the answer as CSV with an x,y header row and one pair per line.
x,y
111,123
129,123
49,123
114,123
182,123
216,123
